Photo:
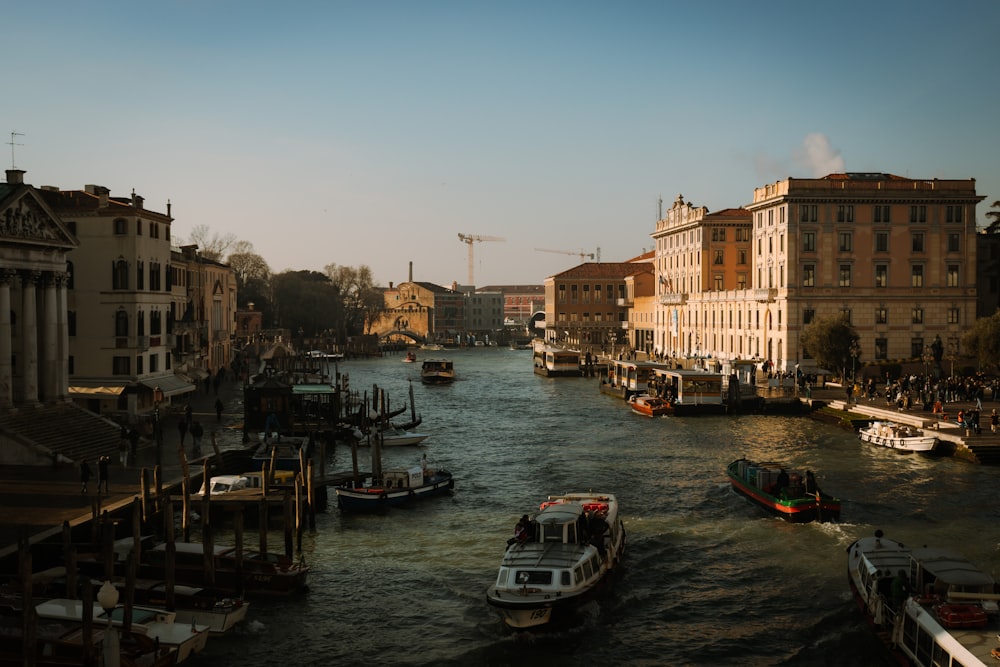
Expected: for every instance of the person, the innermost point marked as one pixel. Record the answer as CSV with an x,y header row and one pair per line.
x,y
85,475
993,420
123,449
900,589
782,482
521,530
218,409
196,432
811,486
182,429
188,413
102,473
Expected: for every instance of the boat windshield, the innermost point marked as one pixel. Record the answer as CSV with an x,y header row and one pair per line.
x,y
525,577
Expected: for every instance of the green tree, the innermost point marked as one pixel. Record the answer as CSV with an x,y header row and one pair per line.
x,y
363,301
833,343
306,301
994,216
983,341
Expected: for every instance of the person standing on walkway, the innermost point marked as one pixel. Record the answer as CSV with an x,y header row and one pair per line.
x,y
182,429
102,473
85,475
196,432
218,409
993,420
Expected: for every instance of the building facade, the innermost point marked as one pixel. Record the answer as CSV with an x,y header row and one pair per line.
x,y
204,312
430,311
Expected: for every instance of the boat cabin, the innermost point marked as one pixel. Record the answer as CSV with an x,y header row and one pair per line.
x,y
403,478
556,362
627,378
698,390
951,577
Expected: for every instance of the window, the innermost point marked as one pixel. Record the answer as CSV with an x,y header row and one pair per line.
x,y
881,275
121,366
138,365
119,274
808,213
881,316
954,242
809,275
718,256
917,315
881,213
155,324
120,227
71,322
154,276
881,242
917,275
140,268
741,281
953,214
718,234
140,323
918,214
717,280
952,275
562,294
808,315
121,323
845,315
953,316
918,242
916,347
808,241
845,276
881,348
845,213
844,241
741,256
154,362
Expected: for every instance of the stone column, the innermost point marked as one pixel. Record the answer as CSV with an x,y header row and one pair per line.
x,y
50,338
6,335
62,336
29,336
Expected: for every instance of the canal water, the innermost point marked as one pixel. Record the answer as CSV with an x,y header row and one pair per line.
x,y
708,578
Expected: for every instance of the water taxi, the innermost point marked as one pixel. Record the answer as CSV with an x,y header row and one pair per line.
x,y
556,362
562,558
437,371
929,606
649,406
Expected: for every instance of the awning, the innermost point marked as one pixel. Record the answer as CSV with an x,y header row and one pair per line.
x,y
101,391
170,385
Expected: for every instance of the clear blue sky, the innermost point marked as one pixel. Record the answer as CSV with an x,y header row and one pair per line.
x,y
374,132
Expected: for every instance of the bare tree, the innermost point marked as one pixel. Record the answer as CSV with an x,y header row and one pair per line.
x,y
211,245
363,300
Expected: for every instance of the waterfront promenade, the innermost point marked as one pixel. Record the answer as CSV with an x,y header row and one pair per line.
x,y
42,498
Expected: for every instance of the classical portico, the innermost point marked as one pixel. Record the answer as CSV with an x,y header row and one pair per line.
x,y
34,338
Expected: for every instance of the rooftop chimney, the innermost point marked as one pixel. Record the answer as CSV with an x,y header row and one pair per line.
x,y
411,272
15,177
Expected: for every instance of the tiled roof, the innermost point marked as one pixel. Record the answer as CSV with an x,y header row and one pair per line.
x,y
733,213
606,270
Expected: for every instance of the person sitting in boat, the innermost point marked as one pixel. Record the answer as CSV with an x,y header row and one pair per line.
x,y
522,531
781,484
812,488
597,528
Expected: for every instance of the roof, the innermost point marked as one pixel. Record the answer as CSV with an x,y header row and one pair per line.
x,y
605,270
435,288
80,201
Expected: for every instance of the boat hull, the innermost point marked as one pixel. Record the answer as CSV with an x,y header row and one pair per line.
x,y
889,435
369,499
795,510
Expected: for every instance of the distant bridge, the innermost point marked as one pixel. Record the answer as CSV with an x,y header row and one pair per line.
x,y
405,333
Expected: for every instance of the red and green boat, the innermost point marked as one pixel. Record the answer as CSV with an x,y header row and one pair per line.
x,y
792,496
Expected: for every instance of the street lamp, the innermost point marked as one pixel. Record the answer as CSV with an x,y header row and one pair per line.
x,y
107,597
855,353
157,428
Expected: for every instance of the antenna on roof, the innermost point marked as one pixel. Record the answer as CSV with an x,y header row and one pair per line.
x,y
12,144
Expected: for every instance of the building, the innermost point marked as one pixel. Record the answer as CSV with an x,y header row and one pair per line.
x,y
420,310
34,281
521,303
588,305
893,256
119,310
483,313
204,312
987,273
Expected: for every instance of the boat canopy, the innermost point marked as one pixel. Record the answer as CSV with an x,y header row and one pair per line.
x,y
949,568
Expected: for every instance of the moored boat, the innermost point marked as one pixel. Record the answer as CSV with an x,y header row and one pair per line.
x,y
791,496
437,371
255,574
398,486
563,557
192,604
897,436
556,362
929,606
650,406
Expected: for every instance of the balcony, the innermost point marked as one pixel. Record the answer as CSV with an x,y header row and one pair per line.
x,y
762,295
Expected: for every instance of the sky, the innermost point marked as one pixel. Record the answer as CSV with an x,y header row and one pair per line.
x,y
375,132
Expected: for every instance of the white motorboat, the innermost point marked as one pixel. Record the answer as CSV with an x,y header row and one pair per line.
x,y
572,548
898,436
154,623
940,611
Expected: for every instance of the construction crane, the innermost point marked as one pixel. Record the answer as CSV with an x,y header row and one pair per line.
x,y
581,254
469,239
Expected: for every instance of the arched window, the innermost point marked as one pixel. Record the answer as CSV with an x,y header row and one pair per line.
x,y
154,323
140,323
121,226
140,267
121,323
119,274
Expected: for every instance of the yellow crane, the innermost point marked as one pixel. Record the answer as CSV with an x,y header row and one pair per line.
x,y
469,239
581,254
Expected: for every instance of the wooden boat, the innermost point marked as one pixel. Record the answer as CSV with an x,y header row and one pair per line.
x,y
392,436
799,500
437,371
398,486
943,615
574,545
410,357
192,604
898,436
257,574
650,406
156,624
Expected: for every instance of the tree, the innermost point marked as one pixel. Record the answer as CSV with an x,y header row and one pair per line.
x,y
994,216
832,342
211,245
305,300
983,341
363,302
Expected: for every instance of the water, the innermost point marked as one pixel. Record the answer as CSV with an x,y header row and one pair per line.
x,y
708,578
